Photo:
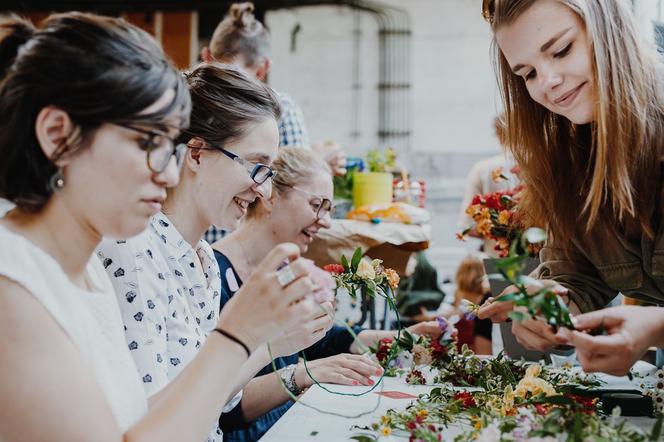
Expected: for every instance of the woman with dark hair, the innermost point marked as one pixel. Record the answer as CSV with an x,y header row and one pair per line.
x,y
169,286
242,40
90,107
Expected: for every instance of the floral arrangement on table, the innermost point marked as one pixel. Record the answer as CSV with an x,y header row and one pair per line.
x,y
418,357
530,409
496,216
369,277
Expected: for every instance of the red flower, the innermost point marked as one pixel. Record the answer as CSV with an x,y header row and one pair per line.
x,y
540,409
465,398
335,269
477,199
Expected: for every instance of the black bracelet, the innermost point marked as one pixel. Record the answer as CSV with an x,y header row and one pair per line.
x,y
234,339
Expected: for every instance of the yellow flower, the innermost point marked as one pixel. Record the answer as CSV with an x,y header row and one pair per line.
x,y
474,211
477,423
508,401
534,386
497,174
392,278
533,371
504,217
385,420
386,431
484,227
365,270
423,413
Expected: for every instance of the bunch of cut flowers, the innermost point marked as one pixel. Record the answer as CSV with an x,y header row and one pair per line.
x,y
496,216
364,276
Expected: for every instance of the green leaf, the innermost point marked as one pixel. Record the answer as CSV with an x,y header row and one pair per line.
x,y
517,316
344,262
357,256
313,433
364,438
657,428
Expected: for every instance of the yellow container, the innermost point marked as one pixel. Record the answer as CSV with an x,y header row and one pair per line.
x,y
372,188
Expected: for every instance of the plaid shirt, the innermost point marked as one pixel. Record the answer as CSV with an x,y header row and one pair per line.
x,y
292,131
213,234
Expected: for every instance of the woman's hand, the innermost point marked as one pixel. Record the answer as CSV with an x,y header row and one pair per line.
x,y
333,155
428,328
262,308
342,369
532,334
497,310
631,330
304,333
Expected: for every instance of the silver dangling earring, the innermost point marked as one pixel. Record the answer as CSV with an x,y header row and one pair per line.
x,y
57,181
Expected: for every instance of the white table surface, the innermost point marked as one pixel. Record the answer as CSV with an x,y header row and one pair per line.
x,y
301,421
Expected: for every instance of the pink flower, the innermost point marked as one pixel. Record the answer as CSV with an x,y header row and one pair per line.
x,y
323,282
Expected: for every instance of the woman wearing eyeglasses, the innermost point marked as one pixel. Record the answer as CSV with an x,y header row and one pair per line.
x,y
167,280
584,103
298,208
84,142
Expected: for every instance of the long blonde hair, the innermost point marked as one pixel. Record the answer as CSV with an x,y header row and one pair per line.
x,y
577,175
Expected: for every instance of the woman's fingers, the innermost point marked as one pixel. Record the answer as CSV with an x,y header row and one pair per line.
x,y
361,365
277,256
530,339
496,311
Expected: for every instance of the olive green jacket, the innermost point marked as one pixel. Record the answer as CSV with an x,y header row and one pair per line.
x,y
605,263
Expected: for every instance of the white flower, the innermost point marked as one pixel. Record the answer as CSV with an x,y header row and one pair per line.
x,y
615,415
365,270
403,360
428,373
491,433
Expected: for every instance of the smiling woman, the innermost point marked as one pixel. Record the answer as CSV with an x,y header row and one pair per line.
x,y
89,108
584,101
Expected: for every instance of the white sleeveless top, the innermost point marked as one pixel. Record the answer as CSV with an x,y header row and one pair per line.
x,y
91,320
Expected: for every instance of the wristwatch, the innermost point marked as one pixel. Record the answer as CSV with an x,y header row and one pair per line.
x,y
288,377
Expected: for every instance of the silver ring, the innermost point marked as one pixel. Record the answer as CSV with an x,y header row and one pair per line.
x,y
285,276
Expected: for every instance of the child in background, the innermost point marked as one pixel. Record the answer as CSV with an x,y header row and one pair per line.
x,y
472,286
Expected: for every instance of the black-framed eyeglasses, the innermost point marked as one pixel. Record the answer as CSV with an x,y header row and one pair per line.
x,y
321,208
488,8
257,171
159,148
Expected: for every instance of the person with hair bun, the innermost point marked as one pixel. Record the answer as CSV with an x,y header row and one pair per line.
x,y
167,280
583,95
298,208
90,111
242,40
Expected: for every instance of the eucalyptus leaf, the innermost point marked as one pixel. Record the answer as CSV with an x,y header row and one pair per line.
x,y
517,316
357,256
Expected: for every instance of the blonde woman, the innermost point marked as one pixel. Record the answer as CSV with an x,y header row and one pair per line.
x,y
298,208
584,105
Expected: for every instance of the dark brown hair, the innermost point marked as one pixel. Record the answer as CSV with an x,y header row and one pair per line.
x,y
239,33
225,102
96,69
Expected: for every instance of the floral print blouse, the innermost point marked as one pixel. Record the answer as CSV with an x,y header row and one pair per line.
x,y
167,306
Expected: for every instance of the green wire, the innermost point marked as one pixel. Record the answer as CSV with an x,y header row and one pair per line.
x,y
391,305
316,382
